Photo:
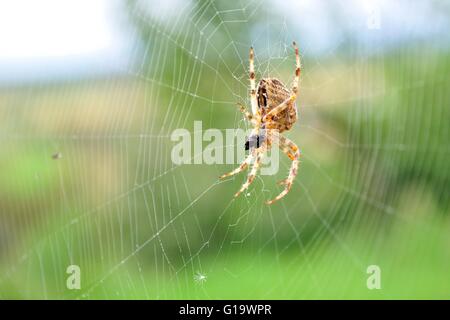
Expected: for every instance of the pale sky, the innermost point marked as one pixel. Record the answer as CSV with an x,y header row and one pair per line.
x,y
46,38
60,38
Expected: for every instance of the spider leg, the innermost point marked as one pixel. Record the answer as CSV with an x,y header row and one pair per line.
x,y
253,100
241,168
297,69
293,96
287,151
251,176
247,114
288,147
291,155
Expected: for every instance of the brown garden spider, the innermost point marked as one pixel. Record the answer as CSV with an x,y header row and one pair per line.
x,y
273,111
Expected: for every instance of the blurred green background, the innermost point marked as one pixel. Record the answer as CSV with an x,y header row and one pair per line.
x,y
86,176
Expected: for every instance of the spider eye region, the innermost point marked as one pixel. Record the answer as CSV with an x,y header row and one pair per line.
x,y
254,141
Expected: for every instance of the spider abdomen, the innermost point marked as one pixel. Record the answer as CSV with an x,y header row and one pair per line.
x,y
271,92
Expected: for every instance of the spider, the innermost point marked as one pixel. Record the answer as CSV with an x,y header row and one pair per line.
x,y
273,111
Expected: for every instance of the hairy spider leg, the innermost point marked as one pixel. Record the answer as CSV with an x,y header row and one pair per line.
x,y
251,176
287,146
241,167
247,114
244,163
287,149
297,70
293,96
253,100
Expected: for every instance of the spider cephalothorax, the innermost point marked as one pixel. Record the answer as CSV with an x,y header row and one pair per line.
x,y
273,111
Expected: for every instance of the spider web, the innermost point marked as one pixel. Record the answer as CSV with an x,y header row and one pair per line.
x,y
140,226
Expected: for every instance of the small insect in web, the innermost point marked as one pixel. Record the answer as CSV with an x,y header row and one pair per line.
x,y
273,111
56,156
200,277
